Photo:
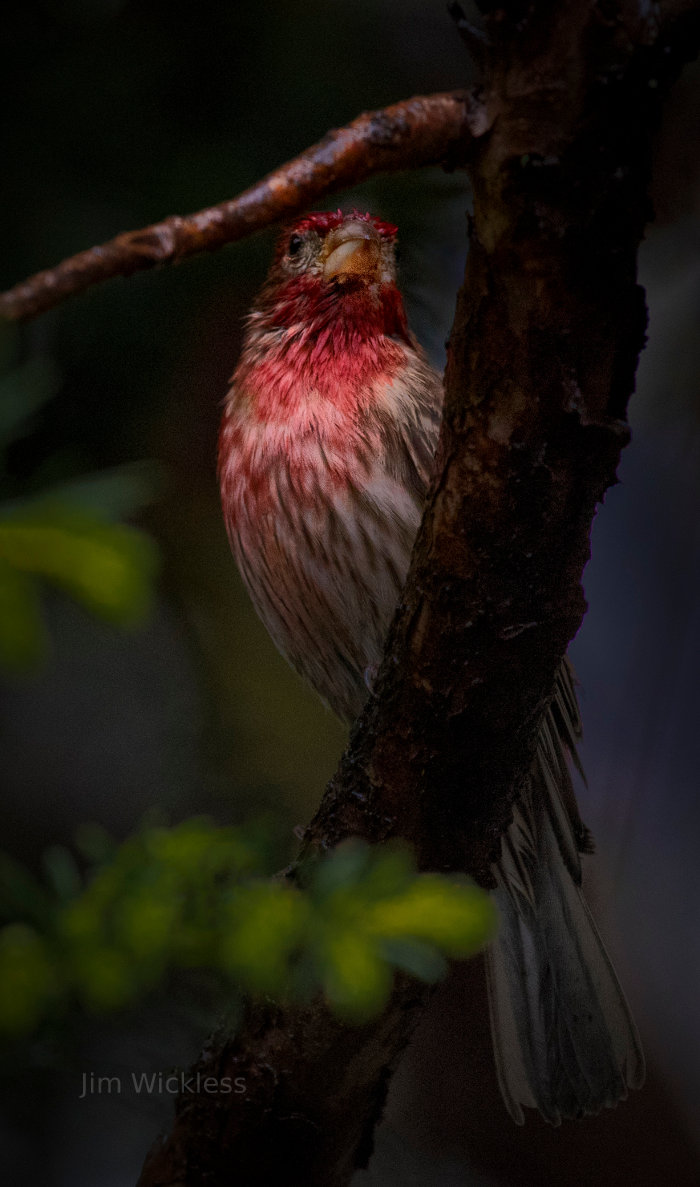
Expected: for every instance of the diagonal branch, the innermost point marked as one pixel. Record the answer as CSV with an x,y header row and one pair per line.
x,y
425,130
541,364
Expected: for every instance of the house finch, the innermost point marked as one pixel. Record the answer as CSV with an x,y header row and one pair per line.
x,y
325,455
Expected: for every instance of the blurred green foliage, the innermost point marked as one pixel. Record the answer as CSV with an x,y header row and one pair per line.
x,y
102,932
63,534
131,112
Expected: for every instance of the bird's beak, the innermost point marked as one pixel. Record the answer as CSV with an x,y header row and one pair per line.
x,y
352,249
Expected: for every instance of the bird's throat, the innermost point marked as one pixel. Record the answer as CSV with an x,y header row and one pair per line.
x,y
323,343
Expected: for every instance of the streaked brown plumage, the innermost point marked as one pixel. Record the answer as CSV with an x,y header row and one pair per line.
x,y
326,452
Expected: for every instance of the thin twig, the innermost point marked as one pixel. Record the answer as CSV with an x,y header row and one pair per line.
x,y
424,130
541,362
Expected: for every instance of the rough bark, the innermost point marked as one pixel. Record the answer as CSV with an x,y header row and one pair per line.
x,y
541,363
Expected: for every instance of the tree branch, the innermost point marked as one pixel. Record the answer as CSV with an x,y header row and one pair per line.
x,y
425,130
541,363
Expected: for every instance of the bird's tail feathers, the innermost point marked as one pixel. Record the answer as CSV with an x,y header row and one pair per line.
x,y
564,1040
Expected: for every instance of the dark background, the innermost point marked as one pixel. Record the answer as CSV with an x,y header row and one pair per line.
x,y
117,114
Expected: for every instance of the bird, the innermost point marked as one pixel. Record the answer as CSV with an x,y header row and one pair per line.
x,y
326,452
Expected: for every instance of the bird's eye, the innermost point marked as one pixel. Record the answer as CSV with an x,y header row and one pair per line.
x,y
294,245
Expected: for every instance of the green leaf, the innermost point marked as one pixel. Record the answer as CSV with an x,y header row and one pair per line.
x,y
264,927
26,984
62,872
199,848
390,871
114,494
415,957
146,922
23,639
456,916
356,980
106,979
344,867
107,567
